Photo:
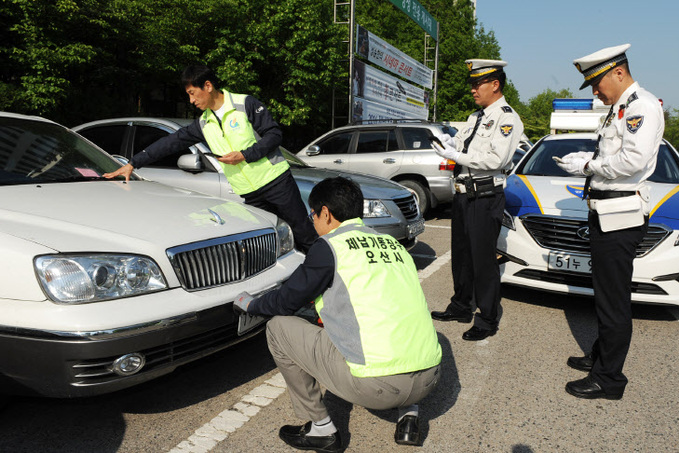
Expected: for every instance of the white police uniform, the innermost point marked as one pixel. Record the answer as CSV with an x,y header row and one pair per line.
x,y
481,150
628,147
494,143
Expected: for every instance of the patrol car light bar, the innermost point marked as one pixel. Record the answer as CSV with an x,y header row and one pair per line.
x,y
572,104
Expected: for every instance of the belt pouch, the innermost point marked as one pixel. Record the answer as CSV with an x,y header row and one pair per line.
x,y
485,187
469,188
618,213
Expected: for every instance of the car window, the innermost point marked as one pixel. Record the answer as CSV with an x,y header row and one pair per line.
x,y
540,161
146,135
376,142
416,138
336,144
666,168
109,138
37,152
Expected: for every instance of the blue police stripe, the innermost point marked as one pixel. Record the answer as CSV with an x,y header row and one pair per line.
x,y
518,198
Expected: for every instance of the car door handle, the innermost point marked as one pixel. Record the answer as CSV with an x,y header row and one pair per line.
x,y
337,161
389,160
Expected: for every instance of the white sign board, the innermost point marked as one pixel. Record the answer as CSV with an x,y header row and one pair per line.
x,y
384,55
379,87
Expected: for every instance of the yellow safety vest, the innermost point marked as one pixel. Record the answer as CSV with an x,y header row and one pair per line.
x,y
235,133
375,312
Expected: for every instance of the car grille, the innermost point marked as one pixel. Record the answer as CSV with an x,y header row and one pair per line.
x,y
567,234
408,207
223,260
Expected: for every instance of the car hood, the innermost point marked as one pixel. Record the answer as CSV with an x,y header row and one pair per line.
x,y
562,196
372,186
144,218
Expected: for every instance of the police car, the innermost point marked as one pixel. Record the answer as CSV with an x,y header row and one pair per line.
x,y
544,241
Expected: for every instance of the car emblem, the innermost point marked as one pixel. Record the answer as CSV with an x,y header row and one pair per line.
x,y
216,218
583,233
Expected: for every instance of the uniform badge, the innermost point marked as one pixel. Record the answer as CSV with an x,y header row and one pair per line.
x,y
489,124
634,123
506,129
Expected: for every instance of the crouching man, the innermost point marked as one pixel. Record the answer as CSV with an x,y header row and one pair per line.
x,y
378,347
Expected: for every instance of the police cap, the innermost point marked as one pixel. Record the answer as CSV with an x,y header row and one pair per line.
x,y
596,65
481,69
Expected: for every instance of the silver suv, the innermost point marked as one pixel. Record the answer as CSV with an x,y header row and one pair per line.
x,y
399,151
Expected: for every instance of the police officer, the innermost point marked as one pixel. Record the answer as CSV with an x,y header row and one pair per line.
x,y
241,130
378,347
618,197
481,151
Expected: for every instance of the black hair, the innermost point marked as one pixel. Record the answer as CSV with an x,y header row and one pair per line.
x,y
501,77
341,196
197,75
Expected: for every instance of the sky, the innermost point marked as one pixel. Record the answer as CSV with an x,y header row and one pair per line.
x,y
539,40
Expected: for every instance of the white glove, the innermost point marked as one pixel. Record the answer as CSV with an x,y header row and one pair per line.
x,y
240,305
573,165
447,147
579,155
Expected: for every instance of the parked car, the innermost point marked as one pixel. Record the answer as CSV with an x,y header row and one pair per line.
x,y
544,239
398,151
388,207
106,284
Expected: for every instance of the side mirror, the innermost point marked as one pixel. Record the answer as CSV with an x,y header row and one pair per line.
x,y
313,150
190,163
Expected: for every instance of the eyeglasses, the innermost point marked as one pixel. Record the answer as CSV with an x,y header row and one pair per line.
x,y
311,216
478,83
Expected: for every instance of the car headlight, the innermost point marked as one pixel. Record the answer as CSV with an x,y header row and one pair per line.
x,y
374,208
77,279
508,221
286,240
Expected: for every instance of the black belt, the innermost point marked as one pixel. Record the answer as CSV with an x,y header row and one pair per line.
x,y
604,194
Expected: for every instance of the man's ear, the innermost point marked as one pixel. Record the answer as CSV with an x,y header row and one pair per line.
x,y
208,86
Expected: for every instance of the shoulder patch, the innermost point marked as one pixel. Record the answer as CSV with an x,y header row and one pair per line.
x,y
506,129
634,123
506,109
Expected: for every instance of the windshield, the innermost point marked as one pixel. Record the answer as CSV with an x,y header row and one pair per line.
x,y
37,152
540,162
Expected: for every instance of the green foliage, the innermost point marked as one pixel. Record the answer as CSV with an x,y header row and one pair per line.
x,y
672,127
80,60
537,113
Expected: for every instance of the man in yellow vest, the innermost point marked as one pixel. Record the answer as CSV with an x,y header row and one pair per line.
x,y
240,129
378,347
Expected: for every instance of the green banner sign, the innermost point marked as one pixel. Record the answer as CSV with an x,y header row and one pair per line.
x,y
420,15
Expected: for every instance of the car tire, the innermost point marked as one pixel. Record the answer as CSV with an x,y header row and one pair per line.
x,y
422,195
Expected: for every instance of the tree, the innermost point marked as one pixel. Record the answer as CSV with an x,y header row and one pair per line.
x,y
672,127
537,112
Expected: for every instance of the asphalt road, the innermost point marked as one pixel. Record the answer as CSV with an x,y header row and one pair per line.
x,y
503,394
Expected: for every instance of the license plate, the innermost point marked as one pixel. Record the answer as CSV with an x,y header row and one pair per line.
x,y
571,263
248,322
415,228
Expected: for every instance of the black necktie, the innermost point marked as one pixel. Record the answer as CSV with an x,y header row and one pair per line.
x,y
467,141
588,180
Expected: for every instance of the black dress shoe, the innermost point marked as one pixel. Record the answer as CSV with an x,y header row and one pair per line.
x,y
477,334
296,437
452,315
588,388
581,363
408,431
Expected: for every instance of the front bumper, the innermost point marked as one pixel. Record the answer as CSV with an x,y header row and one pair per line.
x,y
34,362
525,263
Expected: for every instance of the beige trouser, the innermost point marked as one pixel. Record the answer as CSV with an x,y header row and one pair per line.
x,y
306,358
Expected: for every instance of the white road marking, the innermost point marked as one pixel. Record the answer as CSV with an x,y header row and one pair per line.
x,y
205,438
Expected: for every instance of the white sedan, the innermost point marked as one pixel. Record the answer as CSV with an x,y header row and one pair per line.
x,y
106,284
544,241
